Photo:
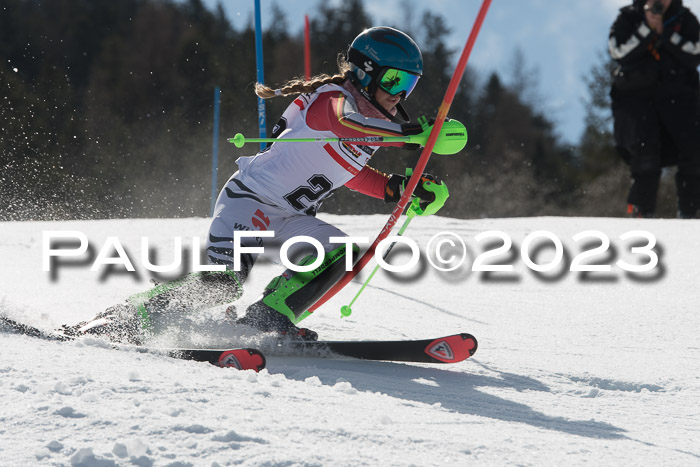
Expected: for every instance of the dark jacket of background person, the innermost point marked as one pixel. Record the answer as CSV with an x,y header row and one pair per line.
x,y
656,103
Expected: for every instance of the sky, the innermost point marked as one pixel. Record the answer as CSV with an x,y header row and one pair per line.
x,y
561,40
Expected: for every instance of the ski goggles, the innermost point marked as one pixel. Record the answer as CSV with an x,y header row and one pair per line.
x,y
396,81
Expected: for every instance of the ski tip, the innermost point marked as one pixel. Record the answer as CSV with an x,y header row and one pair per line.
x,y
242,359
452,349
472,341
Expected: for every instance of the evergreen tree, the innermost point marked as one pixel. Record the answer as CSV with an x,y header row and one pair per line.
x,y
107,111
603,180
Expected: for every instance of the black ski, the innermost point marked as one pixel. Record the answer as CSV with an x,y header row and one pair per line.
x,y
242,359
449,349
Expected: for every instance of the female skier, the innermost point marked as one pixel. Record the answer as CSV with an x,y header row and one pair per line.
x,y
281,188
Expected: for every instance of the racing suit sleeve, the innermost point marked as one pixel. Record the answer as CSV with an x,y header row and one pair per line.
x,y
370,182
332,111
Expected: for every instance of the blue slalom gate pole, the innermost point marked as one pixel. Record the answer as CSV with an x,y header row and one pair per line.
x,y
262,131
215,151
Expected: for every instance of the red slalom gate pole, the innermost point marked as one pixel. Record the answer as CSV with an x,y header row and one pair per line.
x,y
422,162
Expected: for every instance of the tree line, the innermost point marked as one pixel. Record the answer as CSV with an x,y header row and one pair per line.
x,y
106,111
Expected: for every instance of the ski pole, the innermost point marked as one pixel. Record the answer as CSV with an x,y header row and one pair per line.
x,y
452,139
239,140
346,310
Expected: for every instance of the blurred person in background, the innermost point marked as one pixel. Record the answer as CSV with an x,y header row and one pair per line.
x,y
656,101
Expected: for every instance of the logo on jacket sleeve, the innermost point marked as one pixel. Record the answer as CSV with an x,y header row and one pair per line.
x,y
348,148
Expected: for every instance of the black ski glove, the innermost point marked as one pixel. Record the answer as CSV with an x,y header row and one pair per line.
x,y
409,129
397,184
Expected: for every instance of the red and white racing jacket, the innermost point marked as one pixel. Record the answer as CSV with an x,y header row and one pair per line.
x,y
299,176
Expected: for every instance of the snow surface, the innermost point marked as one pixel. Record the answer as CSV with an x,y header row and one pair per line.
x,y
572,368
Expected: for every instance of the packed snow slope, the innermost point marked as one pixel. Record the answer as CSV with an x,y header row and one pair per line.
x,y
572,367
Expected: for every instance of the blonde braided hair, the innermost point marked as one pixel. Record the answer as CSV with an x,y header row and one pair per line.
x,y
299,85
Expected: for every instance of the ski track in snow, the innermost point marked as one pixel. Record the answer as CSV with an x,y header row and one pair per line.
x,y
571,369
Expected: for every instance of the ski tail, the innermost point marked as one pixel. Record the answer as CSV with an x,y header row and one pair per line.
x,y
241,359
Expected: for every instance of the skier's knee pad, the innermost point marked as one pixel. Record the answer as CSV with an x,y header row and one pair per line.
x,y
293,292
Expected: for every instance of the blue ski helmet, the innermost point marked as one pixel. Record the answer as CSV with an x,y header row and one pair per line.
x,y
387,58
